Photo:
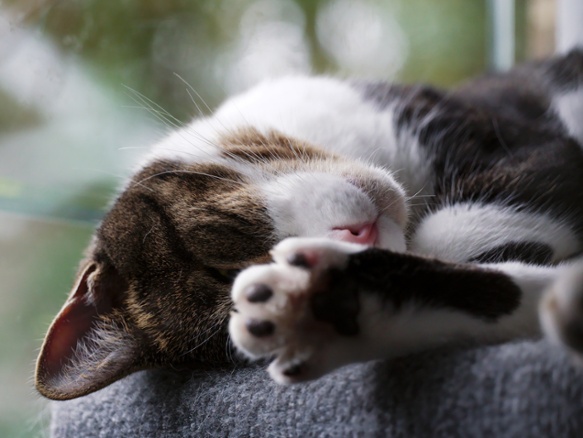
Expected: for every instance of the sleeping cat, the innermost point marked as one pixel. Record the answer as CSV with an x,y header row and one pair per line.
x,y
403,217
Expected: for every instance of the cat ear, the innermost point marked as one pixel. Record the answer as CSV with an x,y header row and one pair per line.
x,y
88,345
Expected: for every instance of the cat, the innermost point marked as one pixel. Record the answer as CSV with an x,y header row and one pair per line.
x,y
401,217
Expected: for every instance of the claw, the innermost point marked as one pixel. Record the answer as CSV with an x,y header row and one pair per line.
x,y
294,370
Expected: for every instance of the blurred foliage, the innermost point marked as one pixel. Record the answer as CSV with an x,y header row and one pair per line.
x,y
137,42
130,41
62,203
15,116
37,269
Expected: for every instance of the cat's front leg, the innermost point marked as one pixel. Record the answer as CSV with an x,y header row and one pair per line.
x,y
297,311
323,304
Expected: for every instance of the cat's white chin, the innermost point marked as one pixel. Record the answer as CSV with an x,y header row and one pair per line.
x,y
390,235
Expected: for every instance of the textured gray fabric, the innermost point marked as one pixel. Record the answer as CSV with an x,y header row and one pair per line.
x,y
525,389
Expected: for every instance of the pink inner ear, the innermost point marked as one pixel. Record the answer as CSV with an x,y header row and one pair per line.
x,y
71,325
61,375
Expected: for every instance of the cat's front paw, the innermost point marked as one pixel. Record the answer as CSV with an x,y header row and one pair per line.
x,y
295,309
561,309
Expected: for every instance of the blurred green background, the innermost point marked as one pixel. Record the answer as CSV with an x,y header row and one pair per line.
x,y
87,85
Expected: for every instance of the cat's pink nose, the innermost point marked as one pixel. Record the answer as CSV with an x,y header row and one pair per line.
x,y
365,234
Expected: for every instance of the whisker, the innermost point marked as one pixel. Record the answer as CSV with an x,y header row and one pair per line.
x,y
194,91
155,108
193,172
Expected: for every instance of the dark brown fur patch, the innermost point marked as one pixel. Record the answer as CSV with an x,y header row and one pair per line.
x,y
250,145
403,278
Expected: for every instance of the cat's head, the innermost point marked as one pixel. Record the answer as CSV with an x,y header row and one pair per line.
x,y
154,287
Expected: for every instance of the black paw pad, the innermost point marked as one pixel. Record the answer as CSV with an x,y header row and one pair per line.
x,y
260,329
294,370
258,293
298,259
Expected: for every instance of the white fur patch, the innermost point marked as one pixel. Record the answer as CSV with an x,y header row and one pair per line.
x,y
569,106
386,335
464,231
194,143
412,167
323,111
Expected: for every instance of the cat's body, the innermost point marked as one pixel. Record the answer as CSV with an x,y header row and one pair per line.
x,y
481,187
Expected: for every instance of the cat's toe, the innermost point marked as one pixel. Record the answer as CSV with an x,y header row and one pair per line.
x,y
561,309
270,307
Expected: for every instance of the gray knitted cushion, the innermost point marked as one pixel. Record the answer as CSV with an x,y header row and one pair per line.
x,y
524,389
